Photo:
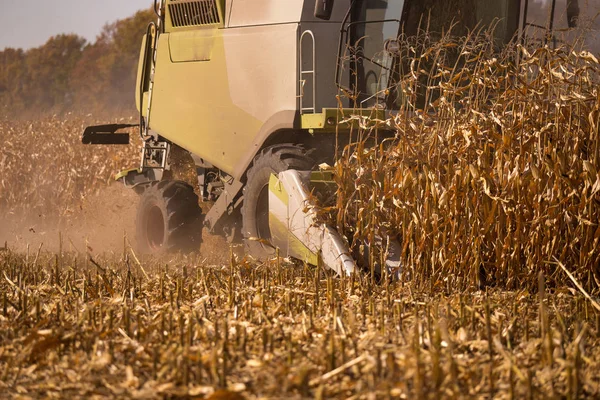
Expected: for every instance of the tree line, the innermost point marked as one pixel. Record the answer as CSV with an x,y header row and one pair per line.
x,y
68,74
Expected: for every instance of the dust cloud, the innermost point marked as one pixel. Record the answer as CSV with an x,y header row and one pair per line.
x,y
99,224
103,224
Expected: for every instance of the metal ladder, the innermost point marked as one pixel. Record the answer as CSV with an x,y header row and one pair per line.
x,y
312,72
149,149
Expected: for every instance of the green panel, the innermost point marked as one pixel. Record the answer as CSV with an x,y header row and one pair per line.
x,y
126,172
195,45
296,248
322,177
313,121
142,76
331,119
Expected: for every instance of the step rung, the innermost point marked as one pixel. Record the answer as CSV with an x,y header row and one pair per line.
x,y
307,72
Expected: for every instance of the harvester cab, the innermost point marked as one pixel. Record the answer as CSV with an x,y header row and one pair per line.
x,y
240,101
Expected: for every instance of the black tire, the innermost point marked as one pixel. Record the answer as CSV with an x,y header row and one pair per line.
x,y
168,219
255,208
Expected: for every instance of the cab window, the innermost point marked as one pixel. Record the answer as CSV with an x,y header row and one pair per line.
x,y
556,22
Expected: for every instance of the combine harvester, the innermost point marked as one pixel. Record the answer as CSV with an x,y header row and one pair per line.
x,y
246,95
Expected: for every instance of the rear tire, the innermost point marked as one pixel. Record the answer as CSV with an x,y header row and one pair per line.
x,y
168,219
255,208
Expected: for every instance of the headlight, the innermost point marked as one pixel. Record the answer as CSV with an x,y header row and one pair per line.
x,y
392,46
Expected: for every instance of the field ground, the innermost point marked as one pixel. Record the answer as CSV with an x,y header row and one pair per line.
x,y
502,190
119,326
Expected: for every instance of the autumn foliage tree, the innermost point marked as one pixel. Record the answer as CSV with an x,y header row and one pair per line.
x,y
68,74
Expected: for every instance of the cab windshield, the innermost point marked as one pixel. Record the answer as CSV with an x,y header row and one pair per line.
x,y
375,22
557,22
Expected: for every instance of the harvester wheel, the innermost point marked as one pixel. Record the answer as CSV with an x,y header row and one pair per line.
x,y
255,208
168,218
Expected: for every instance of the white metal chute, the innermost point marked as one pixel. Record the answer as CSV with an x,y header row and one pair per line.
x,y
294,226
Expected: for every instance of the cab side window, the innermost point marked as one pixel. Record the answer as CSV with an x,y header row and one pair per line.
x,y
556,22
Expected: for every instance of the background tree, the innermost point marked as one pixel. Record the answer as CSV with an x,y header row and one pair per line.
x,y
49,68
68,74
12,78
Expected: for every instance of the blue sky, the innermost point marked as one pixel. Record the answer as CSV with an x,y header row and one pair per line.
x,y
29,23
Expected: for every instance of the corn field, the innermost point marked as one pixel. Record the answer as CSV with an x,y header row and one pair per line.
x,y
493,174
46,171
490,184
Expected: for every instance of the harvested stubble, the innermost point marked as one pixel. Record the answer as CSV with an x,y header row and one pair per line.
x,y
493,175
70,326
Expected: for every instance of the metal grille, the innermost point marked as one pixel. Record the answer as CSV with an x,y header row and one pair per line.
x,y
194,12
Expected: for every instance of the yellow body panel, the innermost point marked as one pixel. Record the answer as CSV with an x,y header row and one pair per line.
x,y
196,45
192,107
140,71
220,92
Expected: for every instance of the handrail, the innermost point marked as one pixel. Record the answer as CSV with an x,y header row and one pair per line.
x,y
312,72
145,126
341,40
149,29
156,11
